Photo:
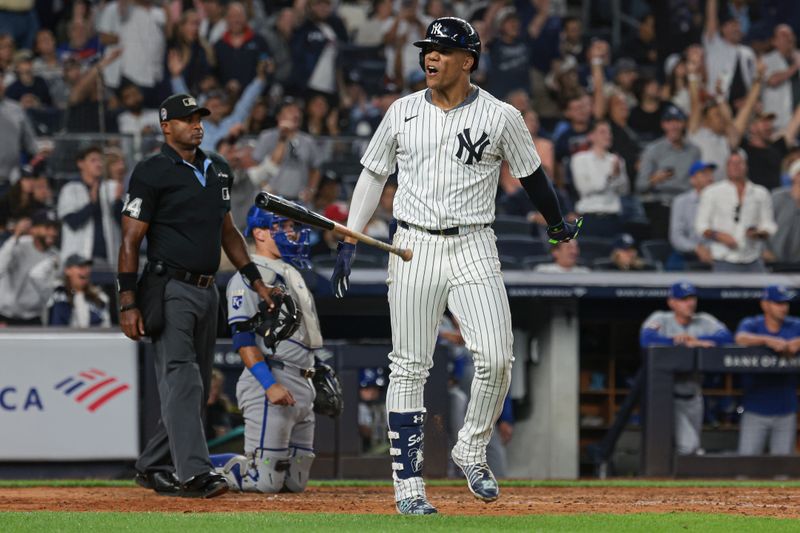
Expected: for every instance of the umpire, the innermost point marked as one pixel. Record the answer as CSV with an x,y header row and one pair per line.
x,y
180,200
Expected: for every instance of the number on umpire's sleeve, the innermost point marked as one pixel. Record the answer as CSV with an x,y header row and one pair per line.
x,y
133,207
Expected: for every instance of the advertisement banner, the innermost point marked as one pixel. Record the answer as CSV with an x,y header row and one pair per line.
x,y
68,396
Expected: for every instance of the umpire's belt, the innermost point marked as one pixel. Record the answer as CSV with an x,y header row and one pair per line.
x,y
448,231
203,281
307,373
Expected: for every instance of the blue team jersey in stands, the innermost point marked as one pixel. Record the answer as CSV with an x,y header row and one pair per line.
x,y
770,394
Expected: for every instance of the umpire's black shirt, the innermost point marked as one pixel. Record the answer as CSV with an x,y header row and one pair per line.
x,y
185,216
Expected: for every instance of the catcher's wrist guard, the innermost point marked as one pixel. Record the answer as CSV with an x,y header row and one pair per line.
x,y
250,272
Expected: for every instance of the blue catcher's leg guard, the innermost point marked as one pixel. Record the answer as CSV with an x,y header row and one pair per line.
x,y
406,437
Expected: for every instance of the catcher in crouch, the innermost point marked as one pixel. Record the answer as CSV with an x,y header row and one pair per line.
x,y
281,386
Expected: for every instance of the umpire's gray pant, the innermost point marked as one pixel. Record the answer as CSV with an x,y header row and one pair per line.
x,y
184,354
755,429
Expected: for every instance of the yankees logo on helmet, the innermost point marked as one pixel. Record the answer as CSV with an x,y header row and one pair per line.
x,y
451,32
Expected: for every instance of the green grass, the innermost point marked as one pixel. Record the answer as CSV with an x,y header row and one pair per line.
x,y
636,483
42,522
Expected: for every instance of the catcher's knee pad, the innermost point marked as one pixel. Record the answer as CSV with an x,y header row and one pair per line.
x,y
406,438
299,468
235,468
271,467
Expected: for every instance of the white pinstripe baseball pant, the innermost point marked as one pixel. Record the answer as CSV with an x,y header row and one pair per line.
x,y
461,272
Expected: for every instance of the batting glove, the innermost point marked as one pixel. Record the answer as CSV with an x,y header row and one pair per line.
x,y
564,231
340,279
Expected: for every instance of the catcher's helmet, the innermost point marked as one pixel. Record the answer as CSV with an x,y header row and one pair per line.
x,y
295,250
451,32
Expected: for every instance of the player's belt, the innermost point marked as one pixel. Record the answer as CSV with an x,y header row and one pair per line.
x,y
307,373
448,231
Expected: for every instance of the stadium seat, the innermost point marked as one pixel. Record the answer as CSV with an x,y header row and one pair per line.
x,y
519,246
595,247
532,261
511,225
508,262
656,250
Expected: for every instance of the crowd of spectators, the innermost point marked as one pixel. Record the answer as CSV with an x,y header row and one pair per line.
x,y
684,131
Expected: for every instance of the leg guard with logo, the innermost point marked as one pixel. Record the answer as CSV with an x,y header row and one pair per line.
x,y
299,467
406,437
271,467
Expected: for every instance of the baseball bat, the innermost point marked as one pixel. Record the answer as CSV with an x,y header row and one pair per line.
x,y
298,213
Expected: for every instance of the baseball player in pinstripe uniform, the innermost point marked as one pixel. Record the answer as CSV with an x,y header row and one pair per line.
x,y
681,326
448,142
274,392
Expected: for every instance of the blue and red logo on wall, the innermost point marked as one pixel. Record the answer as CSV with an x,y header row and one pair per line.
x,y
91,388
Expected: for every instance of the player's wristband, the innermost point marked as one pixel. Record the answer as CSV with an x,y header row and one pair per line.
x,y
126,281
128,307
250,271
261,372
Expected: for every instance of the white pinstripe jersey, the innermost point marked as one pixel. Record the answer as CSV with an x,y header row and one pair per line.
x,y
449,161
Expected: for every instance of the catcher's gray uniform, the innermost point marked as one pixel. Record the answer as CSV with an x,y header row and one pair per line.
x,y
659,329
278,438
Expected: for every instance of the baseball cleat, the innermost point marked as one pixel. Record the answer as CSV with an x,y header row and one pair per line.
x,y
481,481
415,506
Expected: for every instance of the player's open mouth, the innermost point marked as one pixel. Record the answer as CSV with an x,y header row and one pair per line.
x,y
431,70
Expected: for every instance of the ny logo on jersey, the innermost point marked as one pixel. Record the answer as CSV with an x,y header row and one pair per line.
x,y
474,149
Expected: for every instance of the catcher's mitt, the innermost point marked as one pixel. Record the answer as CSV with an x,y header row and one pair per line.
x,y
329,400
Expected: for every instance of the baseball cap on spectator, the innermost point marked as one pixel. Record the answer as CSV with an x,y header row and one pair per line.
x,y
673,113
180,106
624,64
624,241
22,56
389,88
794,168
682,289
44,217
415,77
336,212
77,260
765,115
503,14
670,63
778,293
698,166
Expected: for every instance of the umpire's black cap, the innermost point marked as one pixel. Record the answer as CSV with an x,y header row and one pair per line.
x,y
179,106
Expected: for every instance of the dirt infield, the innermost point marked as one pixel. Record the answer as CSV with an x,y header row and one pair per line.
x,y
766,501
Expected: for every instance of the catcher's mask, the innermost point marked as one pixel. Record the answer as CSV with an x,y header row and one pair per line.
x,y
280,323
328,400
292,238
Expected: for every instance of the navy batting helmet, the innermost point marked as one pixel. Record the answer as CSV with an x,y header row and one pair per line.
x,y
451,32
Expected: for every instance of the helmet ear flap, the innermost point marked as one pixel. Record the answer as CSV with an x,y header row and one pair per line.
x,y
422,59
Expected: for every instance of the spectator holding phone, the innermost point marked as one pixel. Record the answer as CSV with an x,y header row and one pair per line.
x,y
736,216
664,170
